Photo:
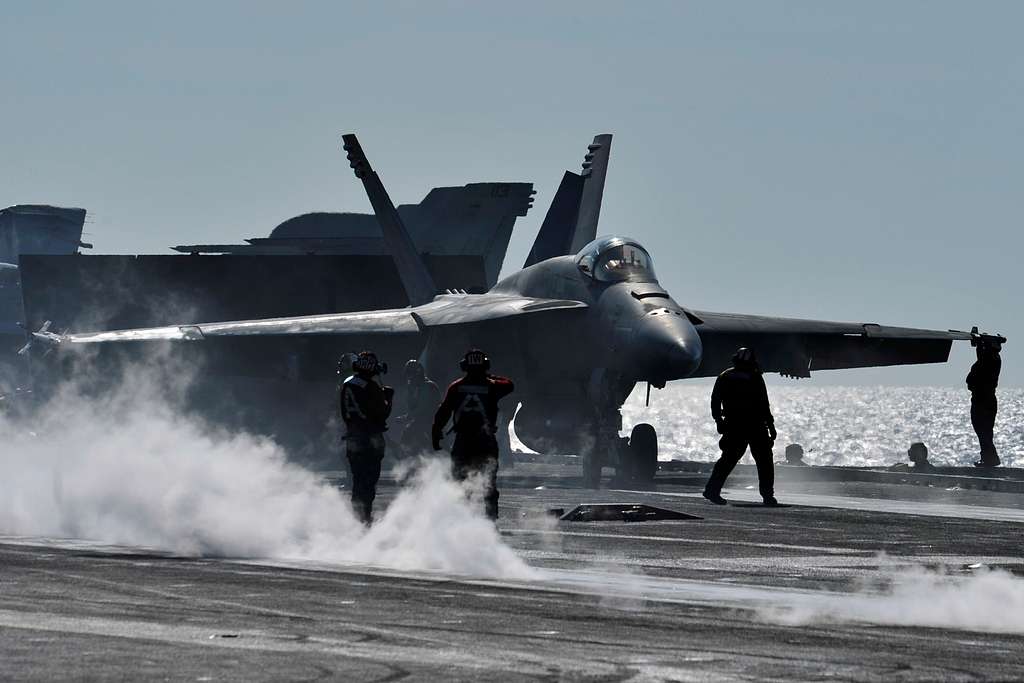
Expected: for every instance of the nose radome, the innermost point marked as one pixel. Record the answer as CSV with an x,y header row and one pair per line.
x,y
667,347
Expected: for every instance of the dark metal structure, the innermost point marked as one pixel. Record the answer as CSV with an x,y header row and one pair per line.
x,y
473,220
27,229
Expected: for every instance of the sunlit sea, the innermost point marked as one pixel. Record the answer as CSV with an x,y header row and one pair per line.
x,y
840,425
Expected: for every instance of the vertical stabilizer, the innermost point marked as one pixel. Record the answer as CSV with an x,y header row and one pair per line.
x,y
595,168
416,279
556,232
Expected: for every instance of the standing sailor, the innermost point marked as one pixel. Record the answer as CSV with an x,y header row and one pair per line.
x,y
739,405
472,405
365,406
982,382
421,399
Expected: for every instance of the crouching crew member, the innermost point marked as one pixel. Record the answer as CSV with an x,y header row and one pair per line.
x,y
472,405
739,405
365,406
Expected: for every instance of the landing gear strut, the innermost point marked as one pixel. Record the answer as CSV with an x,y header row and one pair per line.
x,y
604,447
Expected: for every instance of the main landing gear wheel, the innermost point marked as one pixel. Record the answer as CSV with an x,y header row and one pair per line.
x,y
643,452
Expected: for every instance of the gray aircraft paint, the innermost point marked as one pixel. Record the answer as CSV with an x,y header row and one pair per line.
x,y
577,344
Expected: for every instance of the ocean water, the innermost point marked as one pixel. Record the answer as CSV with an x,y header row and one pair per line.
x,y
839,425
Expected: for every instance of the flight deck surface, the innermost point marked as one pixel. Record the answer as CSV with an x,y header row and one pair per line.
x,y
700,599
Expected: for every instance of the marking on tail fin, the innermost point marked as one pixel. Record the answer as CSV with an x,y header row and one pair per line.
x,y
416,279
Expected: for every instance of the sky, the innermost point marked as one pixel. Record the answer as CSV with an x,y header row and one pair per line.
x,y
844,161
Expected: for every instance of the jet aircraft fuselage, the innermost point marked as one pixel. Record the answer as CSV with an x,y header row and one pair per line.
x,y
567,363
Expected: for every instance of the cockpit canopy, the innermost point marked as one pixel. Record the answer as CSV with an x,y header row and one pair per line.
x,y
616,259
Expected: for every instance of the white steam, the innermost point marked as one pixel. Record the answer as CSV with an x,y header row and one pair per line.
x,y
989,601
130,468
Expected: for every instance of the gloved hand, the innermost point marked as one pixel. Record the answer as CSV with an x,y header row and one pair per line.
x,y
720,424
772,434
435,440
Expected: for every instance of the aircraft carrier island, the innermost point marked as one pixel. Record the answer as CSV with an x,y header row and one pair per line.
x,y
177,504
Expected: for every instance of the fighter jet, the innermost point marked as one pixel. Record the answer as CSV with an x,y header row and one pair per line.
x,y
578,327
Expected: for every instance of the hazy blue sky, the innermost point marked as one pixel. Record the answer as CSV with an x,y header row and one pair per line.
x,y
856,161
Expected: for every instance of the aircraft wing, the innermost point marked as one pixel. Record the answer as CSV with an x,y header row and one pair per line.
x,y
796,347
450,309
472,308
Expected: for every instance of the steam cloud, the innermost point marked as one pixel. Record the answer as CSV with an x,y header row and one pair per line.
x,y
989,601
131,468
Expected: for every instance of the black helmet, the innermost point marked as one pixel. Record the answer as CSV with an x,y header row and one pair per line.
x,y
367,362
413,370
744,356
475,359
346,363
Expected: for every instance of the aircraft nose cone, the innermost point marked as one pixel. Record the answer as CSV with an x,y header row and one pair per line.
x,y
666,347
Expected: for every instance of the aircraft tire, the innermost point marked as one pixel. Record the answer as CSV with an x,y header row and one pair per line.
x,y
643,452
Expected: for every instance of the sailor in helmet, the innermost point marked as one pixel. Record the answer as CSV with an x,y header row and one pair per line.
x,y
982,382
365,405
471,403
739,405
422,396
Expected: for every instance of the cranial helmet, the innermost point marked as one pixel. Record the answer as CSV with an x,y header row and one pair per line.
x,y
414,370
991,346
345,363
918,452
744,356
475,359
368,363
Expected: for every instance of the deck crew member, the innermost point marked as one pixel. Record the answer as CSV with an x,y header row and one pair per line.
x,y
365,405
422,397
982,382
471,403
742,413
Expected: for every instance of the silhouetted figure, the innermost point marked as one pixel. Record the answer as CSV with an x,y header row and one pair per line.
x,y
982,382
422,397
345,363
472,404
365,405
795,455
918,456
739,405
